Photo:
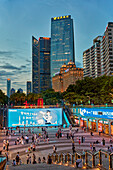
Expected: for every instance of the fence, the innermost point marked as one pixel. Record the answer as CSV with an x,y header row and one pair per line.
x,y
98,159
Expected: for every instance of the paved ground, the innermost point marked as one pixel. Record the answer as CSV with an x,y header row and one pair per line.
x,y
43,149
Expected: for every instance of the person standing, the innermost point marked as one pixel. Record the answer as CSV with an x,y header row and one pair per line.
x,y
103,142
79,142
34,159
27,158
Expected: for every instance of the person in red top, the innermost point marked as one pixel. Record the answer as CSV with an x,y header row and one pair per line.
x,y
79,141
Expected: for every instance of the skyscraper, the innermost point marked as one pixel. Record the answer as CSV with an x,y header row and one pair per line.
x,y
34,65
40,64
28,87
62,42
8,87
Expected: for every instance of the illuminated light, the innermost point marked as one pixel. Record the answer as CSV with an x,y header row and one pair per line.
x,y
46,38
103,36
67,16
58,17
8,79
39,39
55,18
63,16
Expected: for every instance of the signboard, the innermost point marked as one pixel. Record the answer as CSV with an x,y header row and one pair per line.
x,y
106,113
34,117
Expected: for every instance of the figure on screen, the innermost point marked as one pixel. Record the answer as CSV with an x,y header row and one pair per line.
x,y
47,117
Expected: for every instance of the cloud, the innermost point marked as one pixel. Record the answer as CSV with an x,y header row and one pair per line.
x,y
28,61
5,73
10,67
78,64
7,53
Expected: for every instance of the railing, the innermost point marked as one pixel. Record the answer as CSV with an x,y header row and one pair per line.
x,y
2,162
89,159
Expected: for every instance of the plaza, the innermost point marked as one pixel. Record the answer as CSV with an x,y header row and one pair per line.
x,y
43,149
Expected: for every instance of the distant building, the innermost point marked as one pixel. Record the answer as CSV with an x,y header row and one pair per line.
x,y
20,90
62,42
28,87
98,59
8,87
68,75
40,64
12,91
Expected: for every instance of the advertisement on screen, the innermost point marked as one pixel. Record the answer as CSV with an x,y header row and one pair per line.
x,y
34,117
97,112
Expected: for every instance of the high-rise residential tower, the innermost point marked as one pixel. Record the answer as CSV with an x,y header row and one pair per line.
x,y
62,42
40,64
8,87
107,51
92,59
28,87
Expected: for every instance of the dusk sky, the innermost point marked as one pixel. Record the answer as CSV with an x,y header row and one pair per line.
x,y
20,19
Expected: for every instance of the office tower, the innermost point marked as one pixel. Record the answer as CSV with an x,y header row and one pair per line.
x,y
40,64
8,87
107,51
62,42
28,87
20,90
34,65
12,91
92,59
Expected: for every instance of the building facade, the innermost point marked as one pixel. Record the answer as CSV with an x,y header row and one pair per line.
x,y
92,59
62,42
98,60
99,119
68,74
28,87
34,65
41,64
12,91
20,90
8,87
107,51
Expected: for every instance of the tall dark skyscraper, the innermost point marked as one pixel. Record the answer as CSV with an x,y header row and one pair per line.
x,y
28,87
40,64
8,87
62,42
35,68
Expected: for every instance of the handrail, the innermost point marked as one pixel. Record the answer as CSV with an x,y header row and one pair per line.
x,y
70,159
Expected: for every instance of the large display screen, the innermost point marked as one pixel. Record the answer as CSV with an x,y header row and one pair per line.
x,y
34,117
97,112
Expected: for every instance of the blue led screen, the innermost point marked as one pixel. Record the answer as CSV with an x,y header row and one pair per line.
x,y
34,117
97,112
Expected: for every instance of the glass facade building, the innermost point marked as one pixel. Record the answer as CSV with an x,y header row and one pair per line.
x,y
41,65
28,87
34,65
62,42
8,87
